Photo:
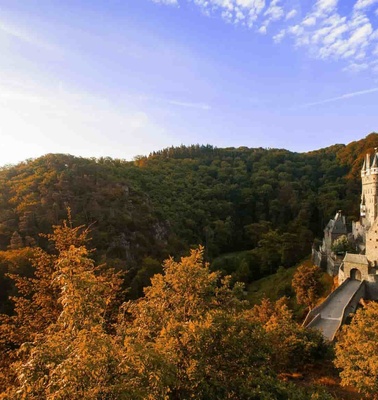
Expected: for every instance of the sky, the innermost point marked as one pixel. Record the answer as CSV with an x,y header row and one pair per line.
x,y
122,78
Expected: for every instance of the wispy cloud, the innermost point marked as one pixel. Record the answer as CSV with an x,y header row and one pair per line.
x,y
169,2
325,30
174,102
26,37
342,97
200,106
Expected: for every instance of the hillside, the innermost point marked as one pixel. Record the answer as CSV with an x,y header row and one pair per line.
x,y
269,202
64,314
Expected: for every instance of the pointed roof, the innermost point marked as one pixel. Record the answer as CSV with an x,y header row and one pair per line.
x,y
364,165
368,161
375,161
337,225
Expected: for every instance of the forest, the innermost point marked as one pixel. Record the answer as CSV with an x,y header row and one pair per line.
x,y
127,279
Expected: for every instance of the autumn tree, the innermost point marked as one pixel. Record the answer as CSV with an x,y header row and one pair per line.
x,y
292,345
357,353
35,306
73,357
307,284
195,322
191,336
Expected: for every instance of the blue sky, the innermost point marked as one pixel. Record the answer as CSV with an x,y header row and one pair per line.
x,y
123,78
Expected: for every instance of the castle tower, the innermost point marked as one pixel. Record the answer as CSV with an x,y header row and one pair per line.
x,y
369,196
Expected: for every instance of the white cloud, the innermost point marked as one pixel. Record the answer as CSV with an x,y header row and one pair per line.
x,y
323,30
245,12
278,38
325,6
291,14
263,30
309,21
329,35
168,2
274,11
354,67
361,4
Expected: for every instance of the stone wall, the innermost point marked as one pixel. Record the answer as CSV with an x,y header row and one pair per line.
x,y
354,262
372,242
372,287
318,258
333,265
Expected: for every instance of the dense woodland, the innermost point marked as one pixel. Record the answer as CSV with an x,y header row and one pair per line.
x,y
270,202
171,340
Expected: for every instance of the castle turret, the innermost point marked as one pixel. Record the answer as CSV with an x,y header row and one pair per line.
x,y
369,196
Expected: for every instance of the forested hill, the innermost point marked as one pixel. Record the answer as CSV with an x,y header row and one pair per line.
x,y
271,200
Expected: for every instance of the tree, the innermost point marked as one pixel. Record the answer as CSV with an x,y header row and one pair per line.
x,y
269,251
307,284
16,241
292,345
342,245
35,307
73,357
243,272
190,336
357,352
195,323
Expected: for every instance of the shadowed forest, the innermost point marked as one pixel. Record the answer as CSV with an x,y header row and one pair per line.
x,y
129,280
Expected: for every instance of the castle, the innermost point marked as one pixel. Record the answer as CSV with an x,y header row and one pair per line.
x,y
362,237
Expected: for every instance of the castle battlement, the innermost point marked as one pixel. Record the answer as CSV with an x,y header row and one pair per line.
x,y
370,166
371,171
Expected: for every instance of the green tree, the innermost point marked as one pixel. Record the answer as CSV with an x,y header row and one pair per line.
x,y
342,245
269,251
243,272
357,353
